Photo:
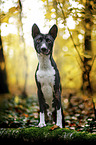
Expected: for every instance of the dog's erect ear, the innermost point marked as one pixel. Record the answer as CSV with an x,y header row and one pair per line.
x,y
53,31
35,30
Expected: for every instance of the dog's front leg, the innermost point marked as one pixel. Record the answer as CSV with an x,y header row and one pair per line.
x,y
41,104
42,120
58,108
59,118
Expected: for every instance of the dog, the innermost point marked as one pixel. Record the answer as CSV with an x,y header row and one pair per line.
x,y
47,75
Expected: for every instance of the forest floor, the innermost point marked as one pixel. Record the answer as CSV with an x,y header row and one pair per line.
x,y
19,118
18,112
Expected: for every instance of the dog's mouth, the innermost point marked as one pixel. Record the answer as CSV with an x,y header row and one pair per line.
x,y
45,51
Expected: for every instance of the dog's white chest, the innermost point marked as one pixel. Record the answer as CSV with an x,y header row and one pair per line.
x,y
46,77
46,72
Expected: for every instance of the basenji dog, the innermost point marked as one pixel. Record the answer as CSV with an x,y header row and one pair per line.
x,y
47,75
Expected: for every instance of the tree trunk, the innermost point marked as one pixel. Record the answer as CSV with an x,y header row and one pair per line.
x,y
3,76
88,49
24,93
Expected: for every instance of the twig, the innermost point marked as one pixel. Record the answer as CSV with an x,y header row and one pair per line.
x,y
93,61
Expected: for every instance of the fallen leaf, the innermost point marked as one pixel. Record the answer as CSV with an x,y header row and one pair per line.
x,y
16,99
26,115
54,127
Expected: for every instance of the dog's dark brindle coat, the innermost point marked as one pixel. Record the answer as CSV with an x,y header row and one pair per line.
x,y
47,75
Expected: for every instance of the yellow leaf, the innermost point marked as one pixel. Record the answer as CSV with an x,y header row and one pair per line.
x,y
48,15
20,106
94,99
2,66
16,99
4,19
91,3
13,9
88,26
9,116
67,54
84,1
43,0
54,127
86,55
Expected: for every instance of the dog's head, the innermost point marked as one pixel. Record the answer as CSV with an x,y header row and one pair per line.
x,y
43,43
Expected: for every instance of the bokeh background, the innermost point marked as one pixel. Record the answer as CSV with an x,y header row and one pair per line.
x,y
74,49
74,52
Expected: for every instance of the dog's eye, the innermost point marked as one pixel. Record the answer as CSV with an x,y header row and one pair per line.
x,y
38,40
48,40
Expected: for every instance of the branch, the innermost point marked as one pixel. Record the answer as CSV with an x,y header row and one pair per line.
x,y
93,61
70,32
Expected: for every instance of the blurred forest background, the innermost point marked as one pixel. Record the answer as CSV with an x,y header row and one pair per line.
x,y
74,50
74,53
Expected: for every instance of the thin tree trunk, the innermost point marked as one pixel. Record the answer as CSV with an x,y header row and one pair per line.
x,y
88,48
3,75
24,52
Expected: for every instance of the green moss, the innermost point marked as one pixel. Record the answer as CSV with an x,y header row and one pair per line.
x,y
35,134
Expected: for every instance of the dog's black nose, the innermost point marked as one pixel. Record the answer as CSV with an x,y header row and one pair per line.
x,y
44,49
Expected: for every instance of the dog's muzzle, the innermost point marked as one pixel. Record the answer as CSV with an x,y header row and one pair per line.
x,y
44,49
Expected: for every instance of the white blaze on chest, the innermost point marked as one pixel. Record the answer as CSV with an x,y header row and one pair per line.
x,y
46,77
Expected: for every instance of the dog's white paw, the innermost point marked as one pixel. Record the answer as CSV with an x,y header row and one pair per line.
x,y
60,125
41,125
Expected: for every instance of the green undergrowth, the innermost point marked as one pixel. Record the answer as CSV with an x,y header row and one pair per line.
x,y
18,112
19,119
45,134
